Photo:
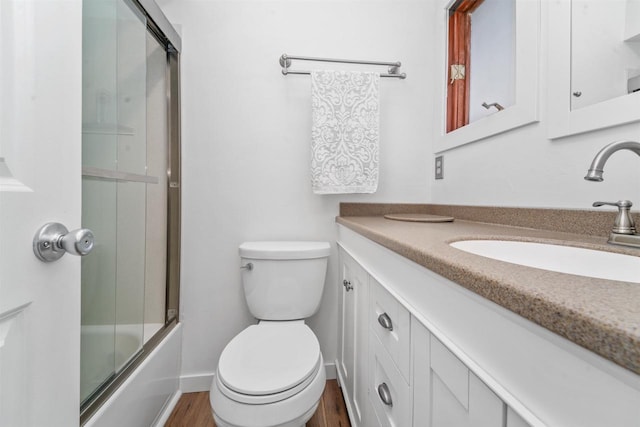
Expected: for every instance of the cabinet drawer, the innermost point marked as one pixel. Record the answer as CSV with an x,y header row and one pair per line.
x,y
390,322
389,393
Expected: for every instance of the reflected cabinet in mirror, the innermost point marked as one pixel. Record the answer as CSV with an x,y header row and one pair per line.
x,y
490,83
594,65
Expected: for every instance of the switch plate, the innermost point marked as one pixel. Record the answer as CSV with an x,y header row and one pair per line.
x,y
439,167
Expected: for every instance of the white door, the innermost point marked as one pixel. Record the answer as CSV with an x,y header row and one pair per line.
x,y
40,182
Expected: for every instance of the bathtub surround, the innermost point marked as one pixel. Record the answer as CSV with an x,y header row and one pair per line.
x,y
345,131
147,397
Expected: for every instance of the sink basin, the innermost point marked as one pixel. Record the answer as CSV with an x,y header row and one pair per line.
x,y
562,259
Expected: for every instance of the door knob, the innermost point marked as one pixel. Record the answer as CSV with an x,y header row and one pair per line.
x,y
53,239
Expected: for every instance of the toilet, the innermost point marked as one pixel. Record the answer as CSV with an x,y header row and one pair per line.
x,y
272,373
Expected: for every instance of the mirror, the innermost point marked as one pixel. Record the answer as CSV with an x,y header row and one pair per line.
x,y
481,52
605,52
594,65
488,87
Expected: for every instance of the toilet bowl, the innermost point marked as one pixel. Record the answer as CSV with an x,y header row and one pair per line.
x,y
272,374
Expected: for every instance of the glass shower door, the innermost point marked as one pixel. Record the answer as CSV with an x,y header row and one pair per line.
x,y
114,185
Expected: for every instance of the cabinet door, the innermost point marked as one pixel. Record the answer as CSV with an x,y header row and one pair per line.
x,y
447,393
352,363
420,344
459,397
515,420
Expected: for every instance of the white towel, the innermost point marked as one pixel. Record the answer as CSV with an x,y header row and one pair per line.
x,y
345,131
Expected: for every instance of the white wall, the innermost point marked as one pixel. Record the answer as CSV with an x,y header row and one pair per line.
x,y
246,142
524,168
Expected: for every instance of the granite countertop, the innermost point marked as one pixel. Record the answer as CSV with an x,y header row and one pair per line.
x,y
600,315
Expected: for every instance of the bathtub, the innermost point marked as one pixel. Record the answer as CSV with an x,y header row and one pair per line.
x,y
105,351
148,395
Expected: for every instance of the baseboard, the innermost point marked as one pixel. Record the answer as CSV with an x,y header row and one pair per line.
x,y
202,382
164,415
330,370
196,382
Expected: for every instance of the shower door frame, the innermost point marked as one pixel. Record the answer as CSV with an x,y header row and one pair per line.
x,y
160,28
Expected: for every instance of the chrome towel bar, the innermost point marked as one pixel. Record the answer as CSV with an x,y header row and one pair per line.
x,y
392,71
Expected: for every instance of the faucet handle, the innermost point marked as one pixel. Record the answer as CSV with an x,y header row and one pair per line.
x,y
623,223
619,204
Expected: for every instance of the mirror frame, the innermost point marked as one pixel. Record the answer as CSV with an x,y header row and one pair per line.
x,y
562,120
525,109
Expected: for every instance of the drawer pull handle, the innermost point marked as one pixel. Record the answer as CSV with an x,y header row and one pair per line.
x,y
385,321
385,394
347,285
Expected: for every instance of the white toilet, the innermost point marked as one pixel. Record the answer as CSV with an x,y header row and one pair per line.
x,y
272,374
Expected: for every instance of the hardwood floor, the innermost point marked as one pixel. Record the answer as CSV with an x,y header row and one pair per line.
x,y
331,410
193,410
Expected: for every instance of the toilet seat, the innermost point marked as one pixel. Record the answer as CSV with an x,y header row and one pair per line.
x,y
292,412
269,362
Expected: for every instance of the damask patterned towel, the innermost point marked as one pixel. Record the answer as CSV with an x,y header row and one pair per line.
x,y
344,132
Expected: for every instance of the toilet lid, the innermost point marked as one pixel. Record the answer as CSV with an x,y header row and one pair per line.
x,y
269,358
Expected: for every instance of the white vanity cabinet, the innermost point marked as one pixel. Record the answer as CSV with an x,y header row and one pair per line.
x,y
353,344
448,357
395,373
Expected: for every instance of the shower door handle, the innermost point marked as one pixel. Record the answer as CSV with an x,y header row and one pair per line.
x,y
53,240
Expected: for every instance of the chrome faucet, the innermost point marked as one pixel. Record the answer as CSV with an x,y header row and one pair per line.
x,y
624,231
597,165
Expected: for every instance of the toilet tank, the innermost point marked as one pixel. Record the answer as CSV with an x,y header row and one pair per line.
x,y
286,279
